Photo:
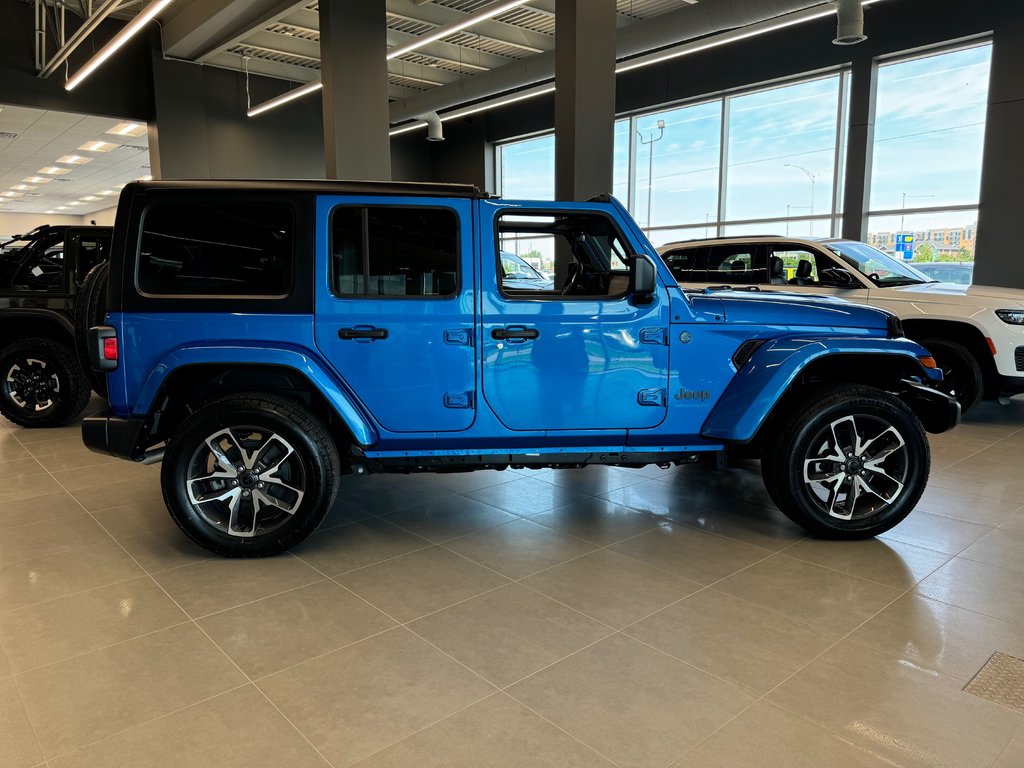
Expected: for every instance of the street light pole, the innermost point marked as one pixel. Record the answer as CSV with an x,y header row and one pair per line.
x,y
650,166
904,206
812,176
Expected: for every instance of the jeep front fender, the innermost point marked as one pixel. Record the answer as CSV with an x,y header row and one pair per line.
x,y
318,374
771,370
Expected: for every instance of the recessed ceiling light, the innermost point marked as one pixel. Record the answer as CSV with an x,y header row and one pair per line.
x,y
147,177
97,146
90,198
74,160
37,180
128,129
62,207
11,194
55,170
49,211
23,187
75,202
107,192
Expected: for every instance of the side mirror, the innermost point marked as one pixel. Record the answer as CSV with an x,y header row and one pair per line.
x,y
840,278
642,277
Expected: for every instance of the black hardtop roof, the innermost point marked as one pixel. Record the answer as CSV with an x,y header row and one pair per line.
x,y
318,186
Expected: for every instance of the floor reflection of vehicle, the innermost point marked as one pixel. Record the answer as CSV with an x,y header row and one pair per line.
x,y
960,273
517,273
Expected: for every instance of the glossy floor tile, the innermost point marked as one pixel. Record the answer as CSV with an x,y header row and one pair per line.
x,y
601,617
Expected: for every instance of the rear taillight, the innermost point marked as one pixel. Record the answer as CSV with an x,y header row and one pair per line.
x,y
103,348
110,349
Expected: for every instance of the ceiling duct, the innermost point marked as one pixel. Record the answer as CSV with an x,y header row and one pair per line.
x,y
686,23
435,132
850,15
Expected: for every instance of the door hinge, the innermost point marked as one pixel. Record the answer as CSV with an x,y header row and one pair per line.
x,y
458,399
459,336
654,336
651,397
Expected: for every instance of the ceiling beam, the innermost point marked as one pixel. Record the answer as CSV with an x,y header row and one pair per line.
x,y
197,28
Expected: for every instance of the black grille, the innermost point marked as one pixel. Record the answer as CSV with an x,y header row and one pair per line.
x,y
1018,357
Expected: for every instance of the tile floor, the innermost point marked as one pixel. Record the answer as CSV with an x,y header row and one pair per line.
x,y
572,618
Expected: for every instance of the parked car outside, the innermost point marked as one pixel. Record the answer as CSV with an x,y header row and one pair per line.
x,y
264,338
42,381
959,272
976,333
517,273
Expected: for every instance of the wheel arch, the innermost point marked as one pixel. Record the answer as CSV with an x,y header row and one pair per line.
x,y
778,372
44,322
189,386
964,333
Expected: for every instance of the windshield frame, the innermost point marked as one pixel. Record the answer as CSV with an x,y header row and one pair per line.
x,y
854,254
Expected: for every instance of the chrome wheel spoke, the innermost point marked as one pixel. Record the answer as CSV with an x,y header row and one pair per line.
x,y
233,509
282,503
874,454
213,443
273,454
219,495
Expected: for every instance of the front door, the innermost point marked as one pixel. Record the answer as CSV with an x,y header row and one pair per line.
x,y
395,307
579,353
804,270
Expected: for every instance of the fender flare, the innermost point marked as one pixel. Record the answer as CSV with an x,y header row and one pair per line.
x,y
768,374
345,404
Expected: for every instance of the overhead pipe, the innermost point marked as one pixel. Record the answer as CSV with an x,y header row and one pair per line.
x,y
435,132
850,29
686,23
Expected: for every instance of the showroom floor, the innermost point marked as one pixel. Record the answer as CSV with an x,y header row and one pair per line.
x,y
571,618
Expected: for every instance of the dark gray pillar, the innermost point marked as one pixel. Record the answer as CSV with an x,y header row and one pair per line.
x,y
584,97
353,46
860,142
178,147
997,253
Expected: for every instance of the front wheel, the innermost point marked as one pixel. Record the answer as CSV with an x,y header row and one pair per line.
x,y
250,475
961,374
848,462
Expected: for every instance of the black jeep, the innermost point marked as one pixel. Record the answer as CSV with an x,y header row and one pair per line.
x,y
43,283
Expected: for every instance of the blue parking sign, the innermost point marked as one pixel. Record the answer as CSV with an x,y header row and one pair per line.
x,y
905,246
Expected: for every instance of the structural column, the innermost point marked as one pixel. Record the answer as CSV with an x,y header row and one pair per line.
x,y
353,47
998,258
860,144
584,97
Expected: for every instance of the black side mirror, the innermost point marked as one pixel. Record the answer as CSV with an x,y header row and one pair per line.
x,y
642,277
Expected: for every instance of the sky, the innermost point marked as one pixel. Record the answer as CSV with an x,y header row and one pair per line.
x,y
929,136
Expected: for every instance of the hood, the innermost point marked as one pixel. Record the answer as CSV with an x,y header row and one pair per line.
x,y
985,294
777,308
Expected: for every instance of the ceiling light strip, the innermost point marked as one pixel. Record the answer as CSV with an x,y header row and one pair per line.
x,y
483,14
675,52
284,98
127,33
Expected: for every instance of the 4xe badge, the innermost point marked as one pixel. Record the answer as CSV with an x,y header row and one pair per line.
x,y
693,395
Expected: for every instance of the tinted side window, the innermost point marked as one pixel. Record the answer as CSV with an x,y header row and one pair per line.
x,y
91,250
732,265
684,261
217,249
394,251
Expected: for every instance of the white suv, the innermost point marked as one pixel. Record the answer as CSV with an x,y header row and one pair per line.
x,y
975,333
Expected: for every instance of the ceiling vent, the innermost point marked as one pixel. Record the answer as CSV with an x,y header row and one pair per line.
x,y
8,135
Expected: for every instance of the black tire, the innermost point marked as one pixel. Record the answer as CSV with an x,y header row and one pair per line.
x,y
311,467
41,383
962,377
887,488
90,310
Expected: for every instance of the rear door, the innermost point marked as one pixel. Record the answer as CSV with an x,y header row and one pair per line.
x,y
395,307
807,270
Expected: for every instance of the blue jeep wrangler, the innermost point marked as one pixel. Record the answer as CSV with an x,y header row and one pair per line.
x,y
264,338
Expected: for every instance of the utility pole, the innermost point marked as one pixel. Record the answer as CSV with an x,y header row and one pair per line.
x,y
650,166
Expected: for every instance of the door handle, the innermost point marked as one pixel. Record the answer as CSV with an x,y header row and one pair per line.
x,y
363,332
514,333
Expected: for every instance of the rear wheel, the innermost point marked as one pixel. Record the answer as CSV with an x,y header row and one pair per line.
x,y
91,310
250,475
849,462
41,383
961,373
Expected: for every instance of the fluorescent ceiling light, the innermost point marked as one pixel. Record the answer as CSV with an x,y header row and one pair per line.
x,y
90,198
107,192
55,170
75,202
37,180
11,194
97,146
49,212
128,129
127,33
284,98
451,29
74,160
147,177
62,207
23,187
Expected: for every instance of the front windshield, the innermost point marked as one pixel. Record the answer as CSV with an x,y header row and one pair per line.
x,y
879,267
519,266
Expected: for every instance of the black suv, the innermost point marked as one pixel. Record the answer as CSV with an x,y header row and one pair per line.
x,y
42,284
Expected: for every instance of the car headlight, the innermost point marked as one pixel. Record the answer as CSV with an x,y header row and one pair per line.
x,y
1011,316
